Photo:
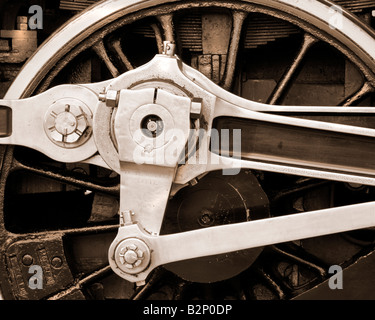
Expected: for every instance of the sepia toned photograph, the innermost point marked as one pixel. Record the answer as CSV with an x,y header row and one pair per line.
x,y
207,152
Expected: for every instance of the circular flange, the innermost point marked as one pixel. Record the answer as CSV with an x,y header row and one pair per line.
x,y
104,117
132,255
67,123
144,112
216,200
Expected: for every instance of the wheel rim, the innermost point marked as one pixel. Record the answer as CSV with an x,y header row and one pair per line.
x,y
92,30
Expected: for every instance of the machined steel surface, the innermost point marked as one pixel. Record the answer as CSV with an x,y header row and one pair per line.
x,y
152,170
33,125
216,240
178,106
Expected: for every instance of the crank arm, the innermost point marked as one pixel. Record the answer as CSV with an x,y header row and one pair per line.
x,y
281,139
153,251
268,142
57,123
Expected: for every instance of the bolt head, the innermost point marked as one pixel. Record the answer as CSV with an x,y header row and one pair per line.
x,y
27,260
169,48
67,124
131,247
56,262
152,126
110,98
132,255
207,218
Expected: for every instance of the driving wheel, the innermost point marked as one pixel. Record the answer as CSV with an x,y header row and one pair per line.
x,y
292,59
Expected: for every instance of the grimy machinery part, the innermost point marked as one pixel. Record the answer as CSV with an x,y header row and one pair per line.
x,y
96,106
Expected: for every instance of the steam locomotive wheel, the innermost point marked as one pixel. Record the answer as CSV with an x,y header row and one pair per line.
x,y
54,214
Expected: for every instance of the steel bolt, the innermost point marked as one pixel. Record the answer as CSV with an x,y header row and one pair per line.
x,y
206,218
152,126
69,124
110,98
65,123
131,256
27,260
169,48
56,262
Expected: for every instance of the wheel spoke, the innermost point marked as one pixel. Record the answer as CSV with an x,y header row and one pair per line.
x,y
101,51
306,185
357,96
298,259
158,37
275,286
116,45
283,84
238,20
166,21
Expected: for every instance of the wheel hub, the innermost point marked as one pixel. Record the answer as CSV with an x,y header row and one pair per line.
x,y
132,255
216,200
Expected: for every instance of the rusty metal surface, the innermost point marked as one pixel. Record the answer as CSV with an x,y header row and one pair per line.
x,y
46,252
358,283
263,29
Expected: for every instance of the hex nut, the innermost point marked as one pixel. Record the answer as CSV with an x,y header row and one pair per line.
x,y
110,98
